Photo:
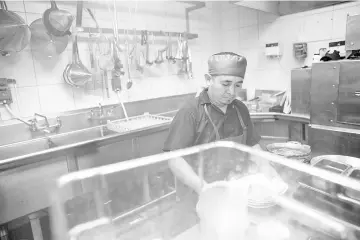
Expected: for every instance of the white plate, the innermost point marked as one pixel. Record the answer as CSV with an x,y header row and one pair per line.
x,y
266,200
262,206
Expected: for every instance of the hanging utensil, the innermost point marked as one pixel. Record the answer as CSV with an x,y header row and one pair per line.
x,y
169,56
106,60
117,71
138,55
77,74
128,60
148,62
14,32
160,58
44,43
91,35
179,53
57,22
187,64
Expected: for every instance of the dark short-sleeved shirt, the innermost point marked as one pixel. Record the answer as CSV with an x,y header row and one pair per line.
x,y
184,129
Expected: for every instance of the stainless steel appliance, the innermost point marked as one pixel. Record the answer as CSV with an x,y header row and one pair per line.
x,y
335,100
335,108
300,91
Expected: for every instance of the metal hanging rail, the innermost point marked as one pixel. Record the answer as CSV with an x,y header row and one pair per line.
x,y
138,32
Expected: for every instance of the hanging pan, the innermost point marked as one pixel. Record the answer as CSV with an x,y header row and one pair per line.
x,y
44,43
57,22
14,33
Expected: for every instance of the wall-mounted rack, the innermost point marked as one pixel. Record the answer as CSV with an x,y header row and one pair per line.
x,y
138,32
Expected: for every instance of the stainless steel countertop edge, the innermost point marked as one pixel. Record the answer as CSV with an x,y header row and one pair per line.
x,y
79,147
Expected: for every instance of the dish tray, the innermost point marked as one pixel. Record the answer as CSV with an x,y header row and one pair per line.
x,y
137,122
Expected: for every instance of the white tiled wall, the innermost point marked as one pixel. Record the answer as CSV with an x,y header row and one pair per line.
x,y
40,87
246,31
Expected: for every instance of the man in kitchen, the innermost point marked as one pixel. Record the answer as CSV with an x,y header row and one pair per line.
x,y
214,114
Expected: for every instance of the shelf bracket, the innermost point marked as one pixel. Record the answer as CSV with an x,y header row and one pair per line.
x,y
197,5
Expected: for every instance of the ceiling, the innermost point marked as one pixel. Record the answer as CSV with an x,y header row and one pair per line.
x,y
286,7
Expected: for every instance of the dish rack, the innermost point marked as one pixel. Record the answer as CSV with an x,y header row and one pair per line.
x,y
137,122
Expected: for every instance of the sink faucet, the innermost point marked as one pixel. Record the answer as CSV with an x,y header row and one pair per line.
x,y
46,128
101,109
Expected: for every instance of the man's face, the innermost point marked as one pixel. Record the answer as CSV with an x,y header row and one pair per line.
x,y
224,89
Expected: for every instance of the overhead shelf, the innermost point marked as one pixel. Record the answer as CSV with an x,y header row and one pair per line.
x,y
138,32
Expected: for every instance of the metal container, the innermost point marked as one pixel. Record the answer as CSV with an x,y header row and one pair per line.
x,y
137,122
334,163
353,173
300,91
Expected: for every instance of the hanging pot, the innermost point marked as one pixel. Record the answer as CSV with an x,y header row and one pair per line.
x,y
76,74
14,33
44,43
57,22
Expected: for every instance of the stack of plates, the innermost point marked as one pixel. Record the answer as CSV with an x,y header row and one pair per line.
x,y
262,191
293,150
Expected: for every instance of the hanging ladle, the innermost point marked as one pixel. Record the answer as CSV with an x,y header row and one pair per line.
x,y
169,56
128,60
160,59
76,74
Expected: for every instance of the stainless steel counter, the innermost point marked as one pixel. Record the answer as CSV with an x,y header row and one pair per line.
x,y
78,142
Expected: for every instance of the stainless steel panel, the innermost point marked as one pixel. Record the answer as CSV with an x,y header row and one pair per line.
x,y
352,38
300,91
348,107
152,144
324,93
78,148
326,141
116,152
27,189
42,144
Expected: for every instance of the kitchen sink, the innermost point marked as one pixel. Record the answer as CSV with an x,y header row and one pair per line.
x,y
51,141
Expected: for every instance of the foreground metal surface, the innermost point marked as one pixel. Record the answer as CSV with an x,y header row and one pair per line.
x,y
101,223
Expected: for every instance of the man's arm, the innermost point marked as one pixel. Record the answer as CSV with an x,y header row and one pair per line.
x,y
184,172
264,165
182,135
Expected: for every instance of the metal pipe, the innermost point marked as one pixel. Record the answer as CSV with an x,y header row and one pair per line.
x,y
198,5
13,115
44,117
138,32
142,207
116,29
122,105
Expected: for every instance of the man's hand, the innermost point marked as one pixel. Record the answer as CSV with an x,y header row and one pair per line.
x,y
268,171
